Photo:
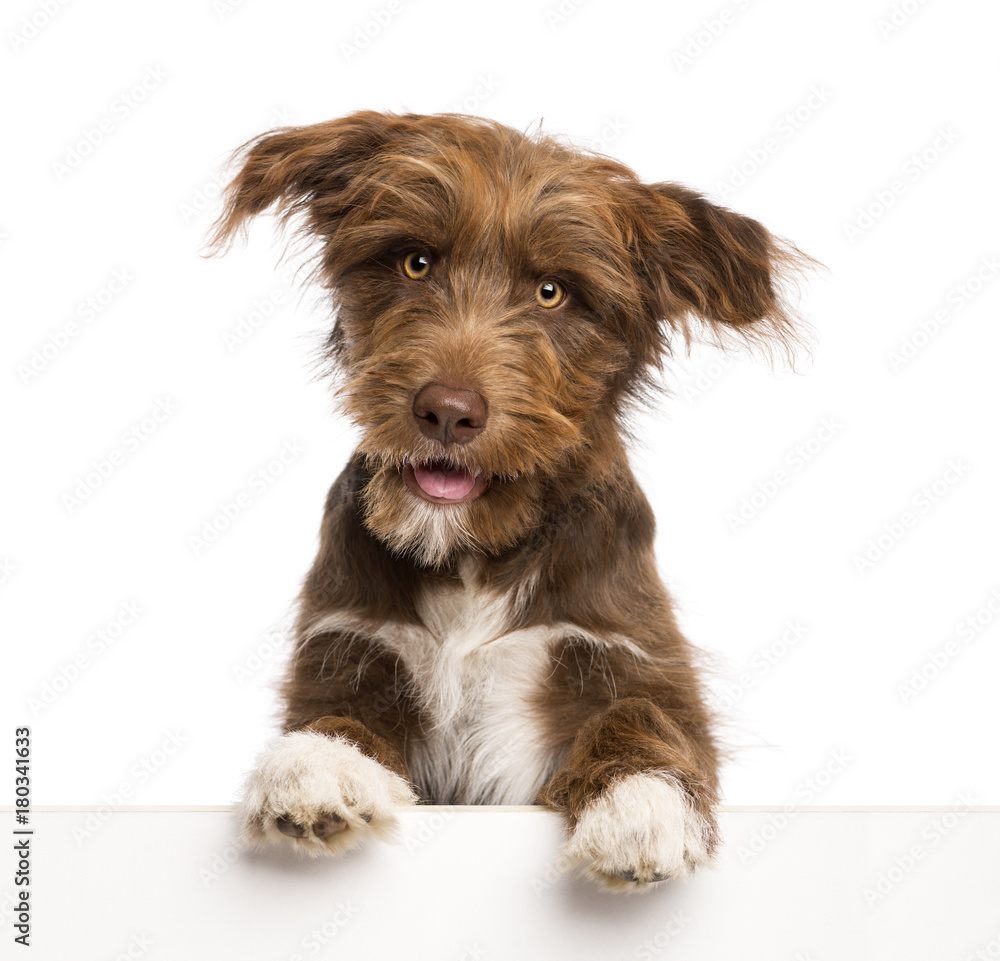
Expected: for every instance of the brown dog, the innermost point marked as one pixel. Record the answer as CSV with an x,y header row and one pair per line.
x,y
484,623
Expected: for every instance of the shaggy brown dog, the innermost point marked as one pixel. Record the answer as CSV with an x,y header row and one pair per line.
x,y
484,623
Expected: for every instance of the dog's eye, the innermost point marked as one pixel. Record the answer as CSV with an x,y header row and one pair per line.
x,y
416,265
550,293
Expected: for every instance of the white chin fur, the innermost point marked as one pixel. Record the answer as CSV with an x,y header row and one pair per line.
x,y
643,826
306,777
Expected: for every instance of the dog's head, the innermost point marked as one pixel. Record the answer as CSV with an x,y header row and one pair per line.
x,y
500,300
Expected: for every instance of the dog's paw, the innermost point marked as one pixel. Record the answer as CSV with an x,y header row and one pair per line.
x,y
319,796
641,830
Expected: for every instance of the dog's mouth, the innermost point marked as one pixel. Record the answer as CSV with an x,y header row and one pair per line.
x,y
439,482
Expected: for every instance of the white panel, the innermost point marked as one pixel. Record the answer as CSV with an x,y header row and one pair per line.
x,y
465,884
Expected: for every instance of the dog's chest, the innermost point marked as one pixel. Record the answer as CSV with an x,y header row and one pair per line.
x,y
478,685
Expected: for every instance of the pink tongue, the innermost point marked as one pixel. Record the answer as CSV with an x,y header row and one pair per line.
x,y
448,483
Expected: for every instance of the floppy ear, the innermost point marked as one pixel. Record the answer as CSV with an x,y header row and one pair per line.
x,y
725,268
299,170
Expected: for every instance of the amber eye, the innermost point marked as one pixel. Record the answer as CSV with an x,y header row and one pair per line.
x,y
550,293
416,265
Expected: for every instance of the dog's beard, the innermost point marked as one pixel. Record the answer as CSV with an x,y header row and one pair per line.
x,y
433,534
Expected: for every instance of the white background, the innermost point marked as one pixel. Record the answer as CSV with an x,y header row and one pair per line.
x,y
824,107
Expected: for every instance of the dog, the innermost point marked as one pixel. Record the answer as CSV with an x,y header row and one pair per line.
x,y
484,622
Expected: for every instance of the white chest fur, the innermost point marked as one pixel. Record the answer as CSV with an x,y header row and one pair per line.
x,y
477,683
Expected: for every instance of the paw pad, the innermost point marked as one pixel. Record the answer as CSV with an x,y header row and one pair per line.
x,y
643,877
325,826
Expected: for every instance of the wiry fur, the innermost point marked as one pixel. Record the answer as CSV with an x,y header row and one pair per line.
x,y
517,646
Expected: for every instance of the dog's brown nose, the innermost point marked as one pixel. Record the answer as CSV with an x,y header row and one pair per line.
x,y
449,414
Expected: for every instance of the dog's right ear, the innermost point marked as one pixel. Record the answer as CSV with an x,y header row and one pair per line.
x,y
299,170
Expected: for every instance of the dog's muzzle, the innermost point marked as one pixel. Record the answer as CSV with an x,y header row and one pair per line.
x,y
448,415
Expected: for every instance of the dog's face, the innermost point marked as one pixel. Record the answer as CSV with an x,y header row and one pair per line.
x,y
500,300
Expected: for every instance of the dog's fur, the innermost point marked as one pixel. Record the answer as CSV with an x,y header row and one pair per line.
x,y
517,645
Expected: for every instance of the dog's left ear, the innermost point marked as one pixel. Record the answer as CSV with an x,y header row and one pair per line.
x,y
725,268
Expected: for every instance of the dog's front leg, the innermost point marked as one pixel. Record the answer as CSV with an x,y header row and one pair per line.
x,y
638,801
323,789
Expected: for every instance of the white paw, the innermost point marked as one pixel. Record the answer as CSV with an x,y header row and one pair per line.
x,y
641,830
318,795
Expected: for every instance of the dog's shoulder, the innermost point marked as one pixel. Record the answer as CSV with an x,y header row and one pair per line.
x,y
346,489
